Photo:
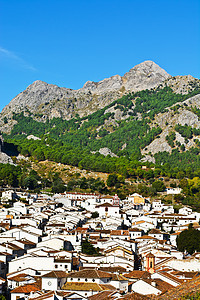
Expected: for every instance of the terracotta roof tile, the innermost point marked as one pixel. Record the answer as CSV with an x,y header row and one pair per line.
x,y
160,284
101,295
172,277
56,274
43,296
86,286
26,289
136,274
19,278
134,296
119,232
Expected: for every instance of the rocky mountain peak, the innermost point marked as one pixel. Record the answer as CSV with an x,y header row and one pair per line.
x,y
147,67
145,75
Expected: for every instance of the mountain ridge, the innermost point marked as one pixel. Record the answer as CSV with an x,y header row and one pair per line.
x,y
51,101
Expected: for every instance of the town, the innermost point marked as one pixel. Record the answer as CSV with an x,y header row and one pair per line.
x,y
92,246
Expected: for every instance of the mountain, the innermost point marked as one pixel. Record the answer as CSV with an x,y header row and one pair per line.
x,y
46,101
145,116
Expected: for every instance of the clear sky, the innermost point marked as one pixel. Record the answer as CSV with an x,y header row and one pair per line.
x,y
67,42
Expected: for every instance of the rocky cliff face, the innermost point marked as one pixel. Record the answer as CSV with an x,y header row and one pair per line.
x,y
167,121
4,158
42,100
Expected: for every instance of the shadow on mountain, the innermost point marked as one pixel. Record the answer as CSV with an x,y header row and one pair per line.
x,y
10,149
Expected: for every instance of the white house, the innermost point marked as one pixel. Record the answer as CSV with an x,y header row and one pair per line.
x,y
53,280
107,209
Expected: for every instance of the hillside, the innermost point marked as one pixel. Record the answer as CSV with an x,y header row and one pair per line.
x,y
155,120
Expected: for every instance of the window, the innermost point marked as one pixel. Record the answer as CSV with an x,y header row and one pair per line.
x,y
71,279
66,266
78,279
93,280
106,208
56,266
86,279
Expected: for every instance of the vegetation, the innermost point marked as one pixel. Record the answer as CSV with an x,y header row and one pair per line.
x,y
88,248
89,184
10,175
191,296
189,240
159,186
95,214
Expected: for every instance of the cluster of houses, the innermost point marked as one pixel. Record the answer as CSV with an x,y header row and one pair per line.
x,y
134,241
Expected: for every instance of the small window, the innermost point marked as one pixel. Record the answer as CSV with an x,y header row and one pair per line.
x,y
86,279
56,266
93,280
66,266
78,279
71,279
106,208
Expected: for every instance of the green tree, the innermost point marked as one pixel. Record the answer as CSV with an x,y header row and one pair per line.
x,y
112,180
158,185
88,248
30,182
189,240
95,214
58,186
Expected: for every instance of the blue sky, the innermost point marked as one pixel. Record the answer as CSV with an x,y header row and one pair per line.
x,y
69,42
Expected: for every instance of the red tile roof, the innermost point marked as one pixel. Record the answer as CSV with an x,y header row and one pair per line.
x,y
56,274
136,274
26,289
